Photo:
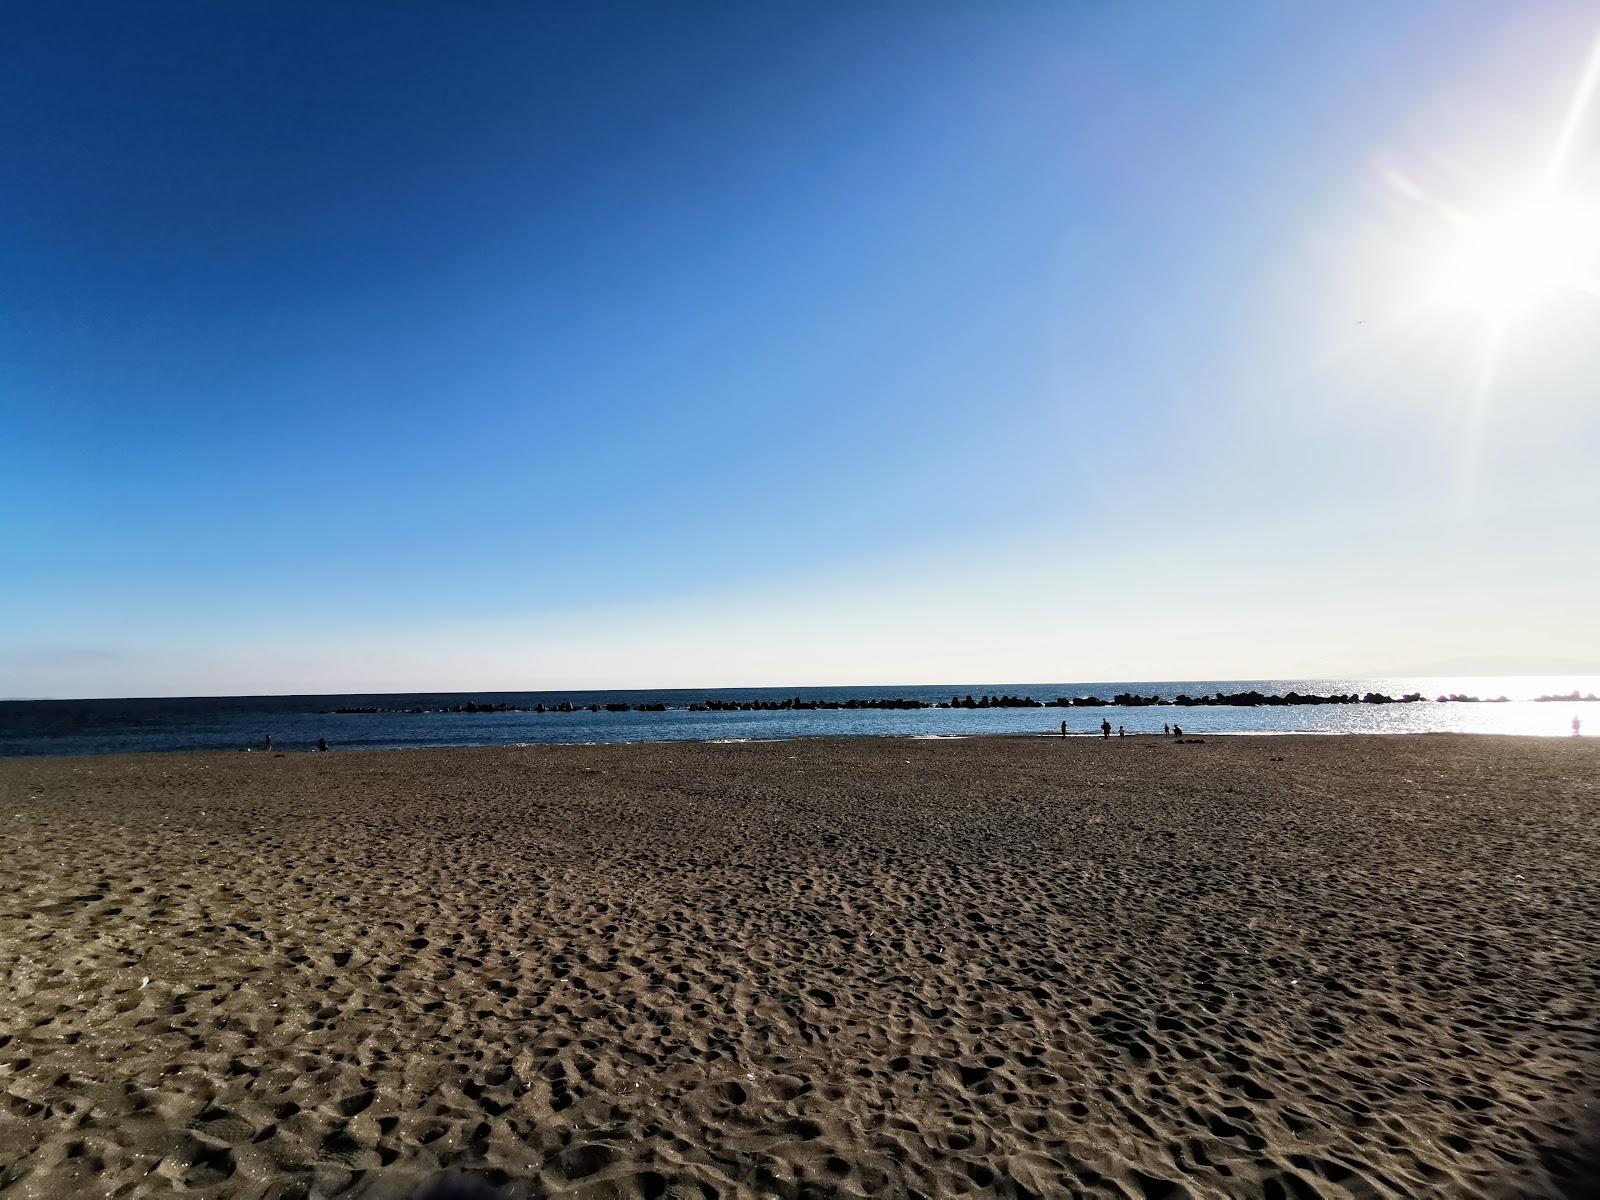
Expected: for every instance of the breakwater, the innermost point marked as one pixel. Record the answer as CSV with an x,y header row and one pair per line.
x,y
1245,699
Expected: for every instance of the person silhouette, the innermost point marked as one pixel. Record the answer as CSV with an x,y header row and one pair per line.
x,y
1165,728
1063,729
1121,732
268,746
322,743
1176,732
1577,727
1105,729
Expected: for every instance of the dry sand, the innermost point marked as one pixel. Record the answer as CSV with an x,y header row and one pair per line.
x,y
1254,967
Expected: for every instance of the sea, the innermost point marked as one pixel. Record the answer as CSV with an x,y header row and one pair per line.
x,y
294,723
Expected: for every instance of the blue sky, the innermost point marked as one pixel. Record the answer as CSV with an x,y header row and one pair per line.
x,y
436,346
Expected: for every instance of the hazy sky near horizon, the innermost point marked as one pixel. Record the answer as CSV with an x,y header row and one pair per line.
x,y
428,346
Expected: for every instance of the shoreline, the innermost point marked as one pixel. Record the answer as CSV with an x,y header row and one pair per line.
x,y
1017,735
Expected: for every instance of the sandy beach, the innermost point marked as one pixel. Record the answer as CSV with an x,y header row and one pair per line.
x,y
1276,967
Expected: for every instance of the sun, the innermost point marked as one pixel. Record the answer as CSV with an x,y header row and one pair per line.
x,y
1501,271
1541,244
1531,252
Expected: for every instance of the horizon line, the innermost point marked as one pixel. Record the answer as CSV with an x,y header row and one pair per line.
x,y
1568,674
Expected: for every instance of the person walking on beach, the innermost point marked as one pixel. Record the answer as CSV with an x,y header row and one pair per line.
x,y
1577,727
1176,732
1165,728
268,746
1121,732
1105,729
1063,729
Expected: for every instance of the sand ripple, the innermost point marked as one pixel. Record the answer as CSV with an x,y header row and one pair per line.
x,y
1287,967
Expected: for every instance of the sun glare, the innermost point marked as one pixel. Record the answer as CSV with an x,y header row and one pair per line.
x,y
1523,257
1542,245
1506,268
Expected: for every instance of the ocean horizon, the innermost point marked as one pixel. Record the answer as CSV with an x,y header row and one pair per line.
x,y
398,720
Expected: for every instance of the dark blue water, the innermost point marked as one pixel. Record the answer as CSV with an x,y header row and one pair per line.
x,y
296,722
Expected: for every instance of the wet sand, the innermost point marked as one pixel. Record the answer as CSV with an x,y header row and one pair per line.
x,y
1280,967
